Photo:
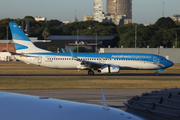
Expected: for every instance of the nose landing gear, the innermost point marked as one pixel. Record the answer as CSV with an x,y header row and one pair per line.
x,y
156,73
159,70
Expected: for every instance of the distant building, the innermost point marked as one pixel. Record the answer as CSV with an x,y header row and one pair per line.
x,y
116,19
119,10
176,18
98,13
75,19
98,10
38,18
88,17
7,45
119,7
6,56
127,21
148,24
66,22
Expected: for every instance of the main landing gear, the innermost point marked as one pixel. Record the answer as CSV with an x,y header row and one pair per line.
x,y
156,73
90,72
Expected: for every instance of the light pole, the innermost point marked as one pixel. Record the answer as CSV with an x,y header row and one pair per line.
x,y
176,40
7,38
96,42
77,40
136,36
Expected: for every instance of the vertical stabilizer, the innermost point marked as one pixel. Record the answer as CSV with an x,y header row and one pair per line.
x,y
21,42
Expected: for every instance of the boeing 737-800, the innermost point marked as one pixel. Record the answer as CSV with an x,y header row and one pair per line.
x,y
27,52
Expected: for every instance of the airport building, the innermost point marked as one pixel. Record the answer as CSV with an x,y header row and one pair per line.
x,y
66,42
7,45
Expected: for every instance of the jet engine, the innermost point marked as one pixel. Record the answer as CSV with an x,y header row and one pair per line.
x,y
110,69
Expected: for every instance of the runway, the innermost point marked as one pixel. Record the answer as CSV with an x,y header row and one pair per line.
x,y
93,76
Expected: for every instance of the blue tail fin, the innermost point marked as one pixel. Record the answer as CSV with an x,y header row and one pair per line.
x,y
22,43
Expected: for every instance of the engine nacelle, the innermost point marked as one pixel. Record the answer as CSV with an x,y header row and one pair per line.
x,y
110,69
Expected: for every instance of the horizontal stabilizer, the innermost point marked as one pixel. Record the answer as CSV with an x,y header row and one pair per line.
x,y
21,54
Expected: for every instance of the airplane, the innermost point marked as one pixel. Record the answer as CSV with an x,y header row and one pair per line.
x,y
27,52
25,107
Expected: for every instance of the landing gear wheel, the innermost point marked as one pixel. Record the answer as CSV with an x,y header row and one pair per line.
x,y
156,73
90,72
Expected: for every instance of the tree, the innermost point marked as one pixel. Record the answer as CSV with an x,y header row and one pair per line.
x,y
52,23
29,18
128,39
166,23
144,35
52,49
46,33
156,40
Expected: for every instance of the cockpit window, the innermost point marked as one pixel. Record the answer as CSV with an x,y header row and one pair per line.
x,y
163,59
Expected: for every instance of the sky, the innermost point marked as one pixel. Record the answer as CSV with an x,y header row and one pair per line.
x,y
143,11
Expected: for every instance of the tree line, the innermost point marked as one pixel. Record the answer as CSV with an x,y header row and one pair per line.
x,y
165,32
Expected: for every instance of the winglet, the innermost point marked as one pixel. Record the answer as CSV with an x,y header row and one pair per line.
x,y
105,106
72,54
63,50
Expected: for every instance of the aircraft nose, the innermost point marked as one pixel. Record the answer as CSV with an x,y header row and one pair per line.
x,y
170,64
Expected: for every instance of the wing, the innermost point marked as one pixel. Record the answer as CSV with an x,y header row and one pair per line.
x,y
85,63
24,107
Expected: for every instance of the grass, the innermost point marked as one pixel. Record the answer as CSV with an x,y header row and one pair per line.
x,y
86,83
37,83
22,68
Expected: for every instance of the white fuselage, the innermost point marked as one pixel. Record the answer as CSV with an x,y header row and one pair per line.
x,y
64,62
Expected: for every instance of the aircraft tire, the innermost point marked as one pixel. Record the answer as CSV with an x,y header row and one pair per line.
x,y
90,72
156,73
